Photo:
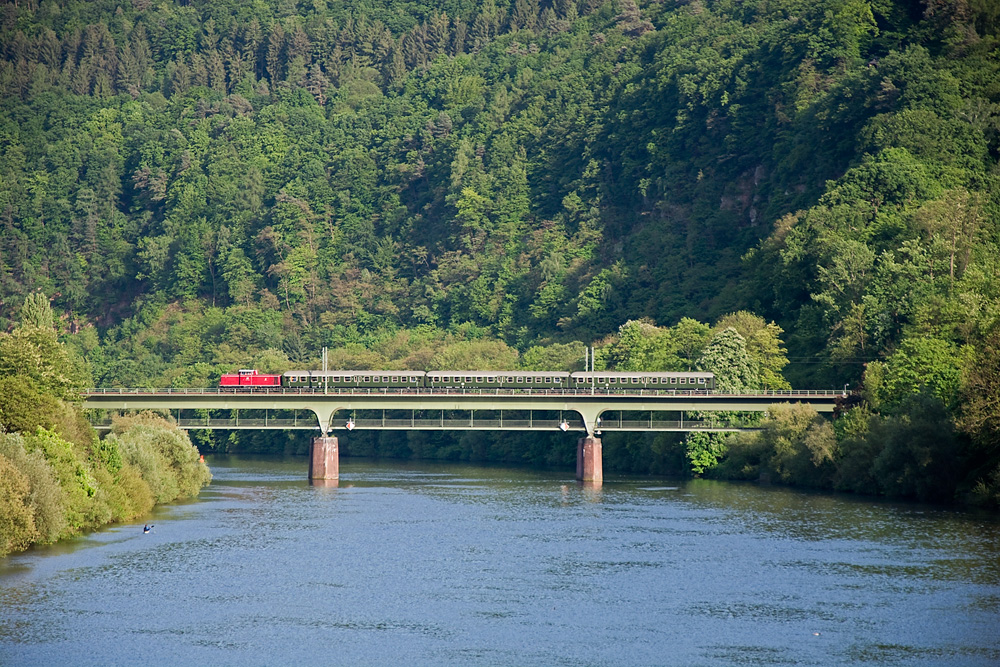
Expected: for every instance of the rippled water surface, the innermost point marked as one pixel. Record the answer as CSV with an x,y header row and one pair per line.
x,y
425,564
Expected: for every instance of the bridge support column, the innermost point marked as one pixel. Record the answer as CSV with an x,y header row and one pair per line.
x,y
589,459
324,459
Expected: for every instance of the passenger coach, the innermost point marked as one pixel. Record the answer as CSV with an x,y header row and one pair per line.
x,y
646,380
355,379
497,379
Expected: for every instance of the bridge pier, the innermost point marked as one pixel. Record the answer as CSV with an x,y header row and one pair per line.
x,y
324,459
589,459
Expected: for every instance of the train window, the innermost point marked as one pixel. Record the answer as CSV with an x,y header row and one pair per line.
x,y
701,380
468,378
520,380
335,378
635,380
509,380
491,380
548,380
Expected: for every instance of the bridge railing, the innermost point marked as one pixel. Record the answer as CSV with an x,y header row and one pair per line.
x,y
452,424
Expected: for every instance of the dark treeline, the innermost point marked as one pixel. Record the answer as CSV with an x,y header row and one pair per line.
x,y
202,186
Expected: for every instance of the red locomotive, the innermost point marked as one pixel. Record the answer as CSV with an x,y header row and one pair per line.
x,y
249,377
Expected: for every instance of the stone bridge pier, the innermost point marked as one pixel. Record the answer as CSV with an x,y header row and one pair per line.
x,y
324,459
589,459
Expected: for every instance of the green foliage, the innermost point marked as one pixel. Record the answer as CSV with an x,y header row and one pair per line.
x,y
57,479
726,355
23,408
641,345
913,453
45,498
917,457
929,364
763,345
36,312
557,356
36,357
17,525
163,454
794,446
75,478
704,450
979,420
487,355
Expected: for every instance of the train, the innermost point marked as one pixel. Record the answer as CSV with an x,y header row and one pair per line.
x,y
551,380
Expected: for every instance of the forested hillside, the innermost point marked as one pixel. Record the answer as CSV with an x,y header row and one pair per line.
x,y
202,186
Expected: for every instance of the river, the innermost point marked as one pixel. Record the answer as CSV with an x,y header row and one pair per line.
x,y
435,564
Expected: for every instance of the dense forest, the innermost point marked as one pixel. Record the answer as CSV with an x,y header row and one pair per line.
x,y
786,191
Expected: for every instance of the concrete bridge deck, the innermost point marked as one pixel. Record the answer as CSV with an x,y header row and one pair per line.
x,y
579,409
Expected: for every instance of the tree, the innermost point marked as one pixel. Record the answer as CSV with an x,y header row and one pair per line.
x,y
36,312
36,356
17,525
763,345
726,356
690,337
917,457
557,356
704,450
979,418
926,363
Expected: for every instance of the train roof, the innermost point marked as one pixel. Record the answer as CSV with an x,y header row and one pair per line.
x,y
499,373
340,373
642,374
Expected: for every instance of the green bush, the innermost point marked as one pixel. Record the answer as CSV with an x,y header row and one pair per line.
x,y
45,498
17,525
163,453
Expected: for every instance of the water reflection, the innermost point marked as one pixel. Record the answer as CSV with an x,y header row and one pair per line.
x,y
446,564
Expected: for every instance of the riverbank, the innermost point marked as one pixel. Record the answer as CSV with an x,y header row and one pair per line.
x,y
55,485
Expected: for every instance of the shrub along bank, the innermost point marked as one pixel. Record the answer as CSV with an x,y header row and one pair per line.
x,y
57,478
52,487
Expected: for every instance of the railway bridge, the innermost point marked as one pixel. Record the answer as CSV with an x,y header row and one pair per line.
x,y
591,411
